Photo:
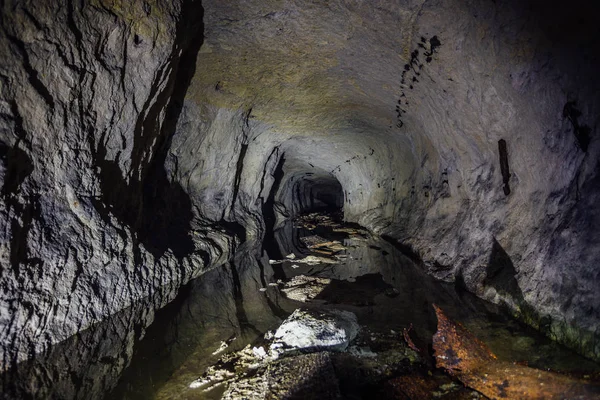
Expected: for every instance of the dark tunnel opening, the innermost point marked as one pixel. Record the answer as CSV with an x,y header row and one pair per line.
x,y
313,193
298,190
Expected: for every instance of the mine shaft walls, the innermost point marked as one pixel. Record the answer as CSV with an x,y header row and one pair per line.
x,y
92,220
140,142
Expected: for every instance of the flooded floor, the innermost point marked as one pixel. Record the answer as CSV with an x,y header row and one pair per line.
x,y
234,305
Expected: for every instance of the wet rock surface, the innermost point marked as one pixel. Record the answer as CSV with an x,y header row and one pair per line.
x,y
188,359
307,330
397,110
466,357
142,142
91,219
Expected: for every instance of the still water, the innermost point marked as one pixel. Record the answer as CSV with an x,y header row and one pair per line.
x,y
238,302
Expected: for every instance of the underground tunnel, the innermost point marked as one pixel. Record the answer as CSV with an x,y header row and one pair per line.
x,y
251,199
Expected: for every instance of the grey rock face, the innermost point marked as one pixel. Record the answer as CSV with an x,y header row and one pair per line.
x,y
453,127
131,158
91,220
314,330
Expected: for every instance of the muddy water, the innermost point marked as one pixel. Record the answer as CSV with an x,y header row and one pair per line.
x,y
235,304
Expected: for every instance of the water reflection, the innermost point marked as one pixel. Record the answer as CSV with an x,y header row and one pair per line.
x,y
89,364
238,302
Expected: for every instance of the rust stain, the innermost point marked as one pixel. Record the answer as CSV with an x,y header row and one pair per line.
x,y
408,340
410,387
468,359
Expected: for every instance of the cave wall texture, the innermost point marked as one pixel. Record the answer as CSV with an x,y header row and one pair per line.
x,y
91,220
141,141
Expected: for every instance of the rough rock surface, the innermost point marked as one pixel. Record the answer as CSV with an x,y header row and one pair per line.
x,y
307,376
463,129
132,157
91,220
310,330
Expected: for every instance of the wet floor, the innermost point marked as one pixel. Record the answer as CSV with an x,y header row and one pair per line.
x,y
235,304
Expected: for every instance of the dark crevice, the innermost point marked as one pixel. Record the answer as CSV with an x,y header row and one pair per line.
x,y
19,130
71,22
20,231
581,132
78,273
18,167
268,209
238,174
32,74
275,151
233,228
33,19
156,208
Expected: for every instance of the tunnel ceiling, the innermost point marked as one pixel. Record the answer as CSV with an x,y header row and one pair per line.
x,y
461,128
319,68
141,142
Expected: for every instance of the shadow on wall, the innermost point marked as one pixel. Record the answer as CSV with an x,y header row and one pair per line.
x,y
268,210
157,209
501,275
15,167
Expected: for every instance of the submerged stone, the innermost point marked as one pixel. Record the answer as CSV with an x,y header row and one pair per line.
x,y
462,355
307,376
305,288
309,330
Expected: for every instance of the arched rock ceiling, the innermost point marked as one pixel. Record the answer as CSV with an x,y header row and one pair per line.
x,y
130,155
317,68
319,83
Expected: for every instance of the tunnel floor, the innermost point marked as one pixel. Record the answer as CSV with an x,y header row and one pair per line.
x,y
326,265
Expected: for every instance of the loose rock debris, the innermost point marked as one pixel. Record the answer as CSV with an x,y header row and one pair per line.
x,y
330,366
323,250
314,330
310,260
311,356
304,288
331,223
255,373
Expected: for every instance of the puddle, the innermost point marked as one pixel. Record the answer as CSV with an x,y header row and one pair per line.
x,y
234,305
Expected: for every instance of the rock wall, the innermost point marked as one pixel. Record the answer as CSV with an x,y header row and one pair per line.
x,y
135,153
463,129
503,200
91,219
